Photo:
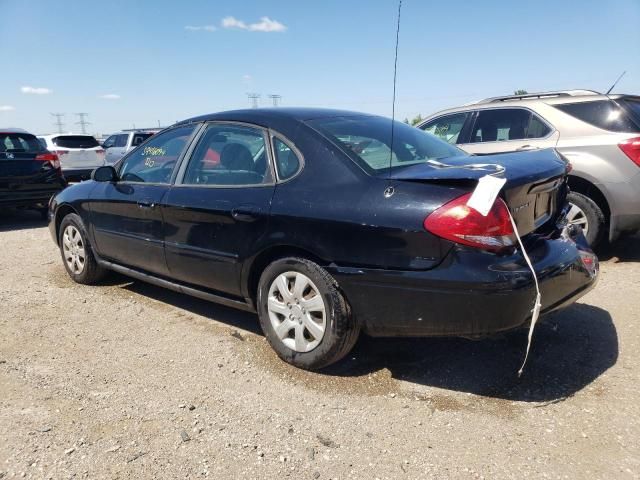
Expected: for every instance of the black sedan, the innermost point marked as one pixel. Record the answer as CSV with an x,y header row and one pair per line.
x,y
310,219
29,174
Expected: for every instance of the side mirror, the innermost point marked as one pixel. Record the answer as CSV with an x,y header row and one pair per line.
x,y
105,173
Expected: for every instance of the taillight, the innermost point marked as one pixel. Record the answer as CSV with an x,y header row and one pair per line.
x,y
51,158
462,224
100,151
631,147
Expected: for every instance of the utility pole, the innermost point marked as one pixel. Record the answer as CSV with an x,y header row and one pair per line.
x,y
58,123
253,99
275,99
82,122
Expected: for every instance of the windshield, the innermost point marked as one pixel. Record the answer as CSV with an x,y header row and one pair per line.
x,y
367,140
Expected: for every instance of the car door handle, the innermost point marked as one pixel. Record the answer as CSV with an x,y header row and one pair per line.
x,y
527,147
146,204
246,213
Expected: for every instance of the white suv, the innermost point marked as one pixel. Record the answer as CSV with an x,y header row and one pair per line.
x,y
599,135
79,154
123,142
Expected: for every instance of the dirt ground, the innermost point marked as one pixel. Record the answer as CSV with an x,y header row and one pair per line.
x,y
127,380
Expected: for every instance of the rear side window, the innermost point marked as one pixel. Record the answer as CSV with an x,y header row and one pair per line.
x,y
447,128
154,163
603,114
499,125
75,141
138,138
287,161
233,155
19,142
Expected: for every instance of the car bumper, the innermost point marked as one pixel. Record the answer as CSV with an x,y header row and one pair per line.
x,y
35,199
470,293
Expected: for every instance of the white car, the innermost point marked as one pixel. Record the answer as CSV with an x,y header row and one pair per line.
x,y
118,144
79,154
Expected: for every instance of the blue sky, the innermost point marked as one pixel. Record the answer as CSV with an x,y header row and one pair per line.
x,y
164,60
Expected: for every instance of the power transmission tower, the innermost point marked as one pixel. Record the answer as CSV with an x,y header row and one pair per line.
x,y
253,99
82,122
275,99
58,123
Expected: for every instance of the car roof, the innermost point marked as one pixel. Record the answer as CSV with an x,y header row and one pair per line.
x,y
530,100
260,115
52,135
13,130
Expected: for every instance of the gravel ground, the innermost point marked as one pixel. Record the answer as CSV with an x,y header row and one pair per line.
x,y
126,380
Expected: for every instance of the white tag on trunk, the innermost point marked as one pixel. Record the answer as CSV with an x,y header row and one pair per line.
x,y
485,194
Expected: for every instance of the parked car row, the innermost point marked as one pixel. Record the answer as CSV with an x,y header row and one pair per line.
x,y
598,134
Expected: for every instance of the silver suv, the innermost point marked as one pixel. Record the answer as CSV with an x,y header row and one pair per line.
x,y
599,135
118,144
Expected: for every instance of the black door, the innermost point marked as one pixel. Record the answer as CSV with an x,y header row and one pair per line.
x,y
218,210
126,215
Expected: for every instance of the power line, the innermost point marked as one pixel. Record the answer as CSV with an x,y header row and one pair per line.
x,y
253,99
275,99
58,123
82,122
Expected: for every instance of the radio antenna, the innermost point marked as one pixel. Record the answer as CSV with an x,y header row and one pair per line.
x,y
616,82
389,190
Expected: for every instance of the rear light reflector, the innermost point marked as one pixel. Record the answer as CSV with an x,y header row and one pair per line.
x,y
458,222
631,147
52,158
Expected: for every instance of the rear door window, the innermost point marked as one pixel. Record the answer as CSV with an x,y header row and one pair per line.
x,y
498,125
447,127
287,161
603,114
154,163
75,141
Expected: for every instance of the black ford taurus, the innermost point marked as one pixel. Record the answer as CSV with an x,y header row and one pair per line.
x,y
327,223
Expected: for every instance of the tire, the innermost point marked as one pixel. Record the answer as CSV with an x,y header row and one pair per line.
x,y
88,271
300,347
590,215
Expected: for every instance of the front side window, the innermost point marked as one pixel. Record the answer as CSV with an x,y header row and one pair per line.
x,y
367,140
138,138
287,162
603,114
110,142
121,140
447,128
229,154
155,162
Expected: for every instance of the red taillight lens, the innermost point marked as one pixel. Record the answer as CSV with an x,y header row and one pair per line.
x,y
460,223
631,147
51,158
100,151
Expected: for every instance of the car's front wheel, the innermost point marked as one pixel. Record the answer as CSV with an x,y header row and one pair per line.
x,y
586,214
303,314
76,251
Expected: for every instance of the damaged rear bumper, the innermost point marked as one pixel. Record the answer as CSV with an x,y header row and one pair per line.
x,y
471,293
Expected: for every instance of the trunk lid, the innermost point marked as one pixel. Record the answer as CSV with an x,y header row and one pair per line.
x,y
535,190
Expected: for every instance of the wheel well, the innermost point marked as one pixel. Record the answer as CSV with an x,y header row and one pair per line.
x,y
270,255
62,212
588,189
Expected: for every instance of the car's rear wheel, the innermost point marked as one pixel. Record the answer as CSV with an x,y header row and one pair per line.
x,y
303,314
77,255
586,214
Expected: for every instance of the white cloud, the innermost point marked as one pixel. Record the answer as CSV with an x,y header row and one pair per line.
x,y
264,25
36,90
6,108
110,96
196,28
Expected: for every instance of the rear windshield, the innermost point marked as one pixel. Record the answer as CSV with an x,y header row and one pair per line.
x,y
19,142
633,105
603,114
367,141
75,141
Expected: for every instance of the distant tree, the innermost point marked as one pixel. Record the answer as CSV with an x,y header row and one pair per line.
x,y
416,120
520,92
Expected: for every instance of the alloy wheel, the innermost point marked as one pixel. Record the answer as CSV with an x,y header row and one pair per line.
x,y
73,249
576,216
297,311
